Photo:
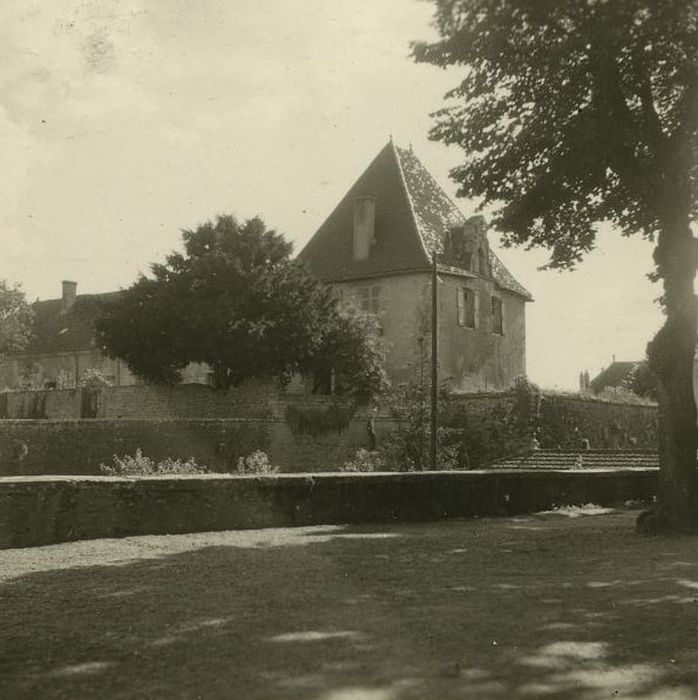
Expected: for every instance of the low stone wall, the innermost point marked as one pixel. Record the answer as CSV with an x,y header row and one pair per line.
x,y
48,510
32,447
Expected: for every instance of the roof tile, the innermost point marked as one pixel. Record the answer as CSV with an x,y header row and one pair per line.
x,y
413,216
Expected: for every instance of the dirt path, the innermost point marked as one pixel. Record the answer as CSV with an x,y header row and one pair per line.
x,y
537,607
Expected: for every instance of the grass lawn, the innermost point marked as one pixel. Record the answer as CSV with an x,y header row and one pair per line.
x,y
545,606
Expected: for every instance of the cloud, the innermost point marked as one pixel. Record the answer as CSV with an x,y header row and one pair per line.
x,y
50,56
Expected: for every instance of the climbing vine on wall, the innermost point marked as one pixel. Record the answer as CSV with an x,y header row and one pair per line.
x,y
524,417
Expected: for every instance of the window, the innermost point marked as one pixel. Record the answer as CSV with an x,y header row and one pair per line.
x,y
467,307
370,298
497,320
458,249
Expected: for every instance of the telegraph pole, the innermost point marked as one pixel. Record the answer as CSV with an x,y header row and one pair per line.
x,y
434,360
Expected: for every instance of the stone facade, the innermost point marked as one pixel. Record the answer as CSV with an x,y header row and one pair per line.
x,y
470,359
376,249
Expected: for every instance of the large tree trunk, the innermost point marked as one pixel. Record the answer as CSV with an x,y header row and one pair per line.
x,y
671,355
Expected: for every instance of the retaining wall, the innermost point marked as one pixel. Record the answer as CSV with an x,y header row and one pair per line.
x,y
488,427
217,428
32,447
563,420
48,510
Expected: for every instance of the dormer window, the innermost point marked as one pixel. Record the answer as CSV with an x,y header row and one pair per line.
x,y
459,249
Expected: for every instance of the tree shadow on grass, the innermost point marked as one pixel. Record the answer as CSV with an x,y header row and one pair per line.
x,y
479,609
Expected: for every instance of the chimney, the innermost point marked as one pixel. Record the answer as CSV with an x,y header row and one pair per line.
x,y
69,292
364,226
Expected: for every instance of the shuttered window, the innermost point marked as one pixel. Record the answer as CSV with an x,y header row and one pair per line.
x,y
467,307
497,319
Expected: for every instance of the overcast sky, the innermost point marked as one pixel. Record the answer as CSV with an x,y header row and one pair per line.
x,y
124,121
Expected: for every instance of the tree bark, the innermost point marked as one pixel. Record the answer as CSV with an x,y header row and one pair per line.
x,y
671,356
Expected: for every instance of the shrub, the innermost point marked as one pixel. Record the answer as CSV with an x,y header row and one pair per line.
x,y
464,441
407,448
65,380
363,461
93,378
177,466
256,463
140,465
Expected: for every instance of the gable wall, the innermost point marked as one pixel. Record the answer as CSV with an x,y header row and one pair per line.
x,y
469,360
404,317
478,359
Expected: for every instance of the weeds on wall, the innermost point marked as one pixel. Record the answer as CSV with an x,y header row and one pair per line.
x,y
319,420
93,378
140,465
364,461
256,463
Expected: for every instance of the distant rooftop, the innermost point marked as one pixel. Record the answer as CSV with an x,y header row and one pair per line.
x,y
612,376
59,330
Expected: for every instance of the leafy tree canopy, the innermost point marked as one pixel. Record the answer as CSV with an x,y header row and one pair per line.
x,y
572,112
234,300
642,381
16,317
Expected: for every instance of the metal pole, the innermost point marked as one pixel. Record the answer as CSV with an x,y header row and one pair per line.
x,y
434,360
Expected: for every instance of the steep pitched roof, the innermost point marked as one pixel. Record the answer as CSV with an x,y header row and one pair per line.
x,y
614,375
54,331
398,244
413,216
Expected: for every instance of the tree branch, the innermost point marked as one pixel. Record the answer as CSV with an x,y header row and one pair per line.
x,y
652,122
621,129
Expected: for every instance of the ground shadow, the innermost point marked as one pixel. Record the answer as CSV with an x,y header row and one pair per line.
x,y
513,608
